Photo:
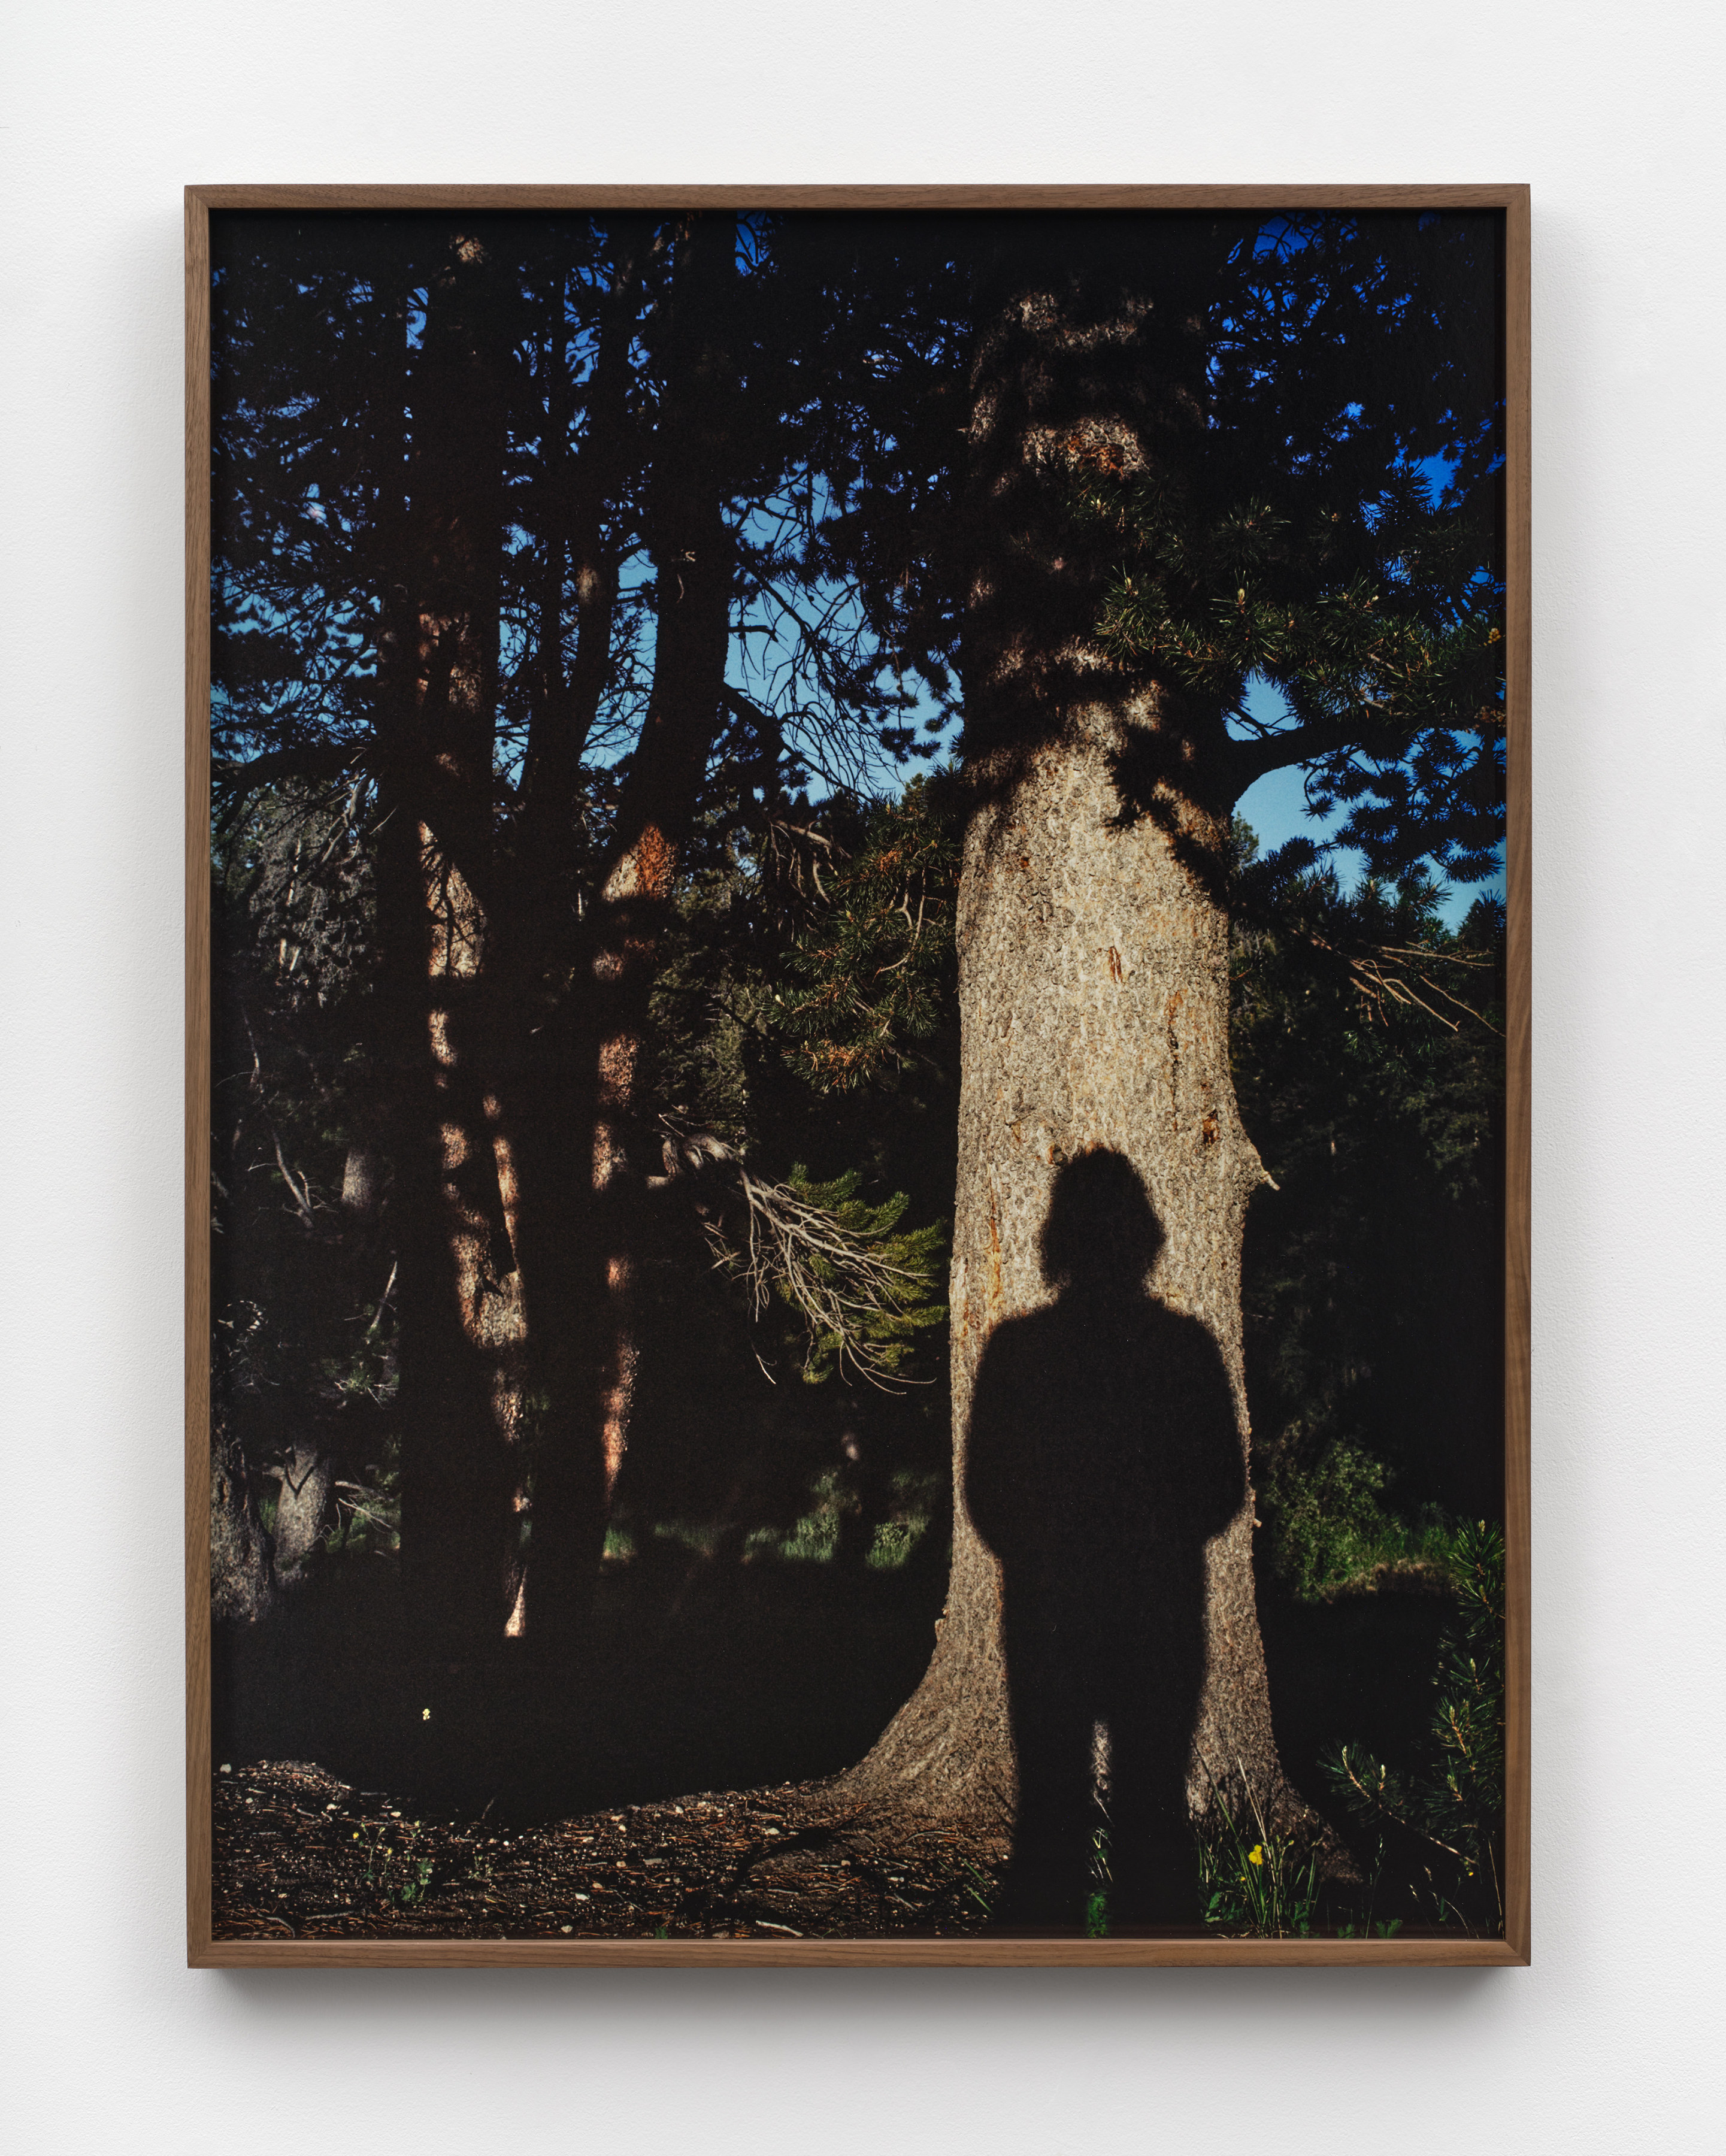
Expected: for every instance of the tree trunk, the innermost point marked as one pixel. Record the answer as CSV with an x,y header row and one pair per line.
x,y
1100,1626
461,1300
558,1237
1094,1004
241,1579
580,496
306,1468
306,1474
694,561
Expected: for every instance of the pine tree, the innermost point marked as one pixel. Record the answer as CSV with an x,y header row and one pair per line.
x,y
1190,459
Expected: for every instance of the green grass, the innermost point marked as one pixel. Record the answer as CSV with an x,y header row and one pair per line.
x,y
1256,1883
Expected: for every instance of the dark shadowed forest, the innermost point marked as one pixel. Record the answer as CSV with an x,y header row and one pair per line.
x,y
840,1308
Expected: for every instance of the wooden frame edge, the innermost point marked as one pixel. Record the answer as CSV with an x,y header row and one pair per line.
x,y
982,1952
198,1078
1518,892
334,195
1514,1949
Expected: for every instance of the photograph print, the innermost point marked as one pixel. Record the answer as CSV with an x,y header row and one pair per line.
x,y
859,1118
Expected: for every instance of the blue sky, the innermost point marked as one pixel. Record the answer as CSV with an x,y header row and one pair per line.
x,y
1276,807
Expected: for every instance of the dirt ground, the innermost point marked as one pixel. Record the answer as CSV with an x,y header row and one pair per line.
x,y
299,1855
522,1808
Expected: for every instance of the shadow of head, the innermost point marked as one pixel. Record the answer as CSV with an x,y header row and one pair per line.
x,y
1102,1235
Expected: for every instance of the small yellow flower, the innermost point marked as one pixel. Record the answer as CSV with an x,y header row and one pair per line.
x,y
1495,636
425,1714
1256,1855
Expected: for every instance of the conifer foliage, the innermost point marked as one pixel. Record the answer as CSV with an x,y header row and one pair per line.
x,y
868,976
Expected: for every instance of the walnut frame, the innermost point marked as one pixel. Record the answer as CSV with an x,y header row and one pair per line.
x,y
1513,1949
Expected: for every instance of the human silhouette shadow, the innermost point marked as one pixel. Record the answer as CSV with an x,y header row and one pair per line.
x,y
1103,1455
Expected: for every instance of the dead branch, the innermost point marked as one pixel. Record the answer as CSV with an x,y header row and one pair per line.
x,y
836,1278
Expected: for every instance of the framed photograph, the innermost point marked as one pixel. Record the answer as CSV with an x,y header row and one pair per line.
x,y
857,1085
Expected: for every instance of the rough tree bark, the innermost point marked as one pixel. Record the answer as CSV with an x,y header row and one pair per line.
x,y
1093,980
304,1474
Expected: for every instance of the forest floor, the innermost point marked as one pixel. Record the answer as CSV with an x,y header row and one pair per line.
x,y
467,1801
458,1802
299,1855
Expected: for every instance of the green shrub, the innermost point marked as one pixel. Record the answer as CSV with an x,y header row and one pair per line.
x,y
1436,1826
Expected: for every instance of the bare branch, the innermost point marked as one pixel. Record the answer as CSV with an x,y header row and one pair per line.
x,y
836,1278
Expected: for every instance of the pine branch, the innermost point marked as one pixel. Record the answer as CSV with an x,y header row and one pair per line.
x,y
857,1289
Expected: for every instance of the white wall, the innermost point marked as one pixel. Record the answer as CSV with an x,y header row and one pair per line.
x,y
1613,115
